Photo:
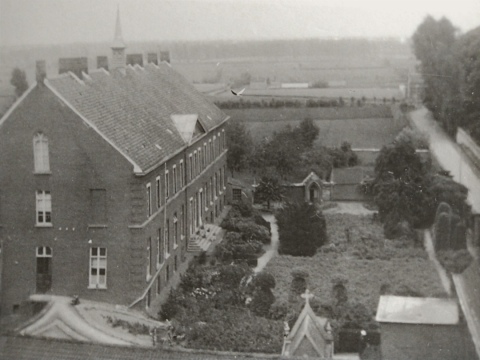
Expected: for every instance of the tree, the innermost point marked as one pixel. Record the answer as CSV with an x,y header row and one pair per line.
x,y
302,229
269,189
19,81
263,297
239,146
307,132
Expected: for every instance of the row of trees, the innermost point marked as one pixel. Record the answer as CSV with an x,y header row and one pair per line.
x,y
407,190
290,151
450,67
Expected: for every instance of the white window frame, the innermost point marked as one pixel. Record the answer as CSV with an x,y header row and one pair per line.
x,y
43,253
167,186
175,230
149,258
149,199
205,160
94,280
158,185
43,206
175,179
40,154
182,174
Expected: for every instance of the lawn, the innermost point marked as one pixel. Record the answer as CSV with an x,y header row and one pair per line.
x,y
368,263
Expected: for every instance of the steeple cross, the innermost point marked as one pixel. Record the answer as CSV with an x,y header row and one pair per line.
x,y
307,295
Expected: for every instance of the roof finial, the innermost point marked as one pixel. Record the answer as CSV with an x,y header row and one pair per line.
x,y
118,39
307,296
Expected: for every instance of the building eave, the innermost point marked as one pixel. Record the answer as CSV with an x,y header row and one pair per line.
x,y
17,103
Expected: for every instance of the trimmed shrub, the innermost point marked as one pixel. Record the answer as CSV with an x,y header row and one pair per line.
x,y
261,302
455,261
442,232
459,237
298,285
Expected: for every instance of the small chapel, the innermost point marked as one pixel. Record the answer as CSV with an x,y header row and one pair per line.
x,y
311,336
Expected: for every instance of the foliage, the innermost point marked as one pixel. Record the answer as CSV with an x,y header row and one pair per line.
x,y
419,140
368,261
239,146
136,328
19,81
269,189
455,261
264,281
302,230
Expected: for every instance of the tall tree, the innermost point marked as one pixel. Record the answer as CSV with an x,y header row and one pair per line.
x,y
302,229
269,189
19,81
239,146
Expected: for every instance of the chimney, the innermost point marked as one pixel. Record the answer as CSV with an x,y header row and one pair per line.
x,y
165,56
75,65
152,58
102,62
41,71
134,59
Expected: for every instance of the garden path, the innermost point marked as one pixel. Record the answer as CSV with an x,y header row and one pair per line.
x,y
354,208
272,249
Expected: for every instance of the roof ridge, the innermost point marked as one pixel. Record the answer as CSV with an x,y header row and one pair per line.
x,y
100,70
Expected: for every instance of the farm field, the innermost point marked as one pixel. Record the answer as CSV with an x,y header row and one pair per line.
x,y
369,264
345,92
364,133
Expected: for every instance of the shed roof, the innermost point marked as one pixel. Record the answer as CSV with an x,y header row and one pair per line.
x,y
351,175
416,310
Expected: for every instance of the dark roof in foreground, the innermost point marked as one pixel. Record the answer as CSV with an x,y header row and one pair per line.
x,y
133,109
26,348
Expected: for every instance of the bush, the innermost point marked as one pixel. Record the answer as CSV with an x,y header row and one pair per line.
x,y
261,302
442,232
301,229
455,261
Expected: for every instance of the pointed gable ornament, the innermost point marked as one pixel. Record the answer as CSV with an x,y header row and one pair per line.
x,y
311,336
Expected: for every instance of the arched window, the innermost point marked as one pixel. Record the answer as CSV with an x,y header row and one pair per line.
x,y
40,151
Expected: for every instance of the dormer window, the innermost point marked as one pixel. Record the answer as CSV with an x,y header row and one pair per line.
x,y
40,152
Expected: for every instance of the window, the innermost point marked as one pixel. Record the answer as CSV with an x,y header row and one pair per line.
x,y
214,147
182,174
98,206
207,194
44,269
224,176
210,144
182,221
167,238
205,161
149,258
149,200
159,284
174,174
98,268
40,152
175,230
159,191
200,159
224,139
44,208
167,185
195,164
159,246
212,189
216,184
237,194
190,212
175,264
219,143
191,167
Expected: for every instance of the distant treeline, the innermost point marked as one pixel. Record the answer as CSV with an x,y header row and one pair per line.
x,y
450,68
295,103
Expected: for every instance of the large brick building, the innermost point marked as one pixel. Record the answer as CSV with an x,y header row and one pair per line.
x,y
104,178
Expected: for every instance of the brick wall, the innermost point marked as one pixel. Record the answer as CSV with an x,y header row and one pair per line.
x,y
80,160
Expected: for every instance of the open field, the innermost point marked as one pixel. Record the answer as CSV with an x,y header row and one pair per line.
x,y
367,264
346,92
365,133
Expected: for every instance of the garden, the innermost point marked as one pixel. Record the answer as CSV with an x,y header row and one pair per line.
x,y
348,274
220,303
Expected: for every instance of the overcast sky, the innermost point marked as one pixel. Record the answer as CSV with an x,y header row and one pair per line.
x,y
25,22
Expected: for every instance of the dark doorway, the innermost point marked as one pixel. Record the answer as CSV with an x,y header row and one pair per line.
x,y
44,269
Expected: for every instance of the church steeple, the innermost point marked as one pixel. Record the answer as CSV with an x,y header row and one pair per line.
x,y
118,46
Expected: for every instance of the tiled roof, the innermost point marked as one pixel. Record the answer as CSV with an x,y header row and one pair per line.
x,y
133,109
25,348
